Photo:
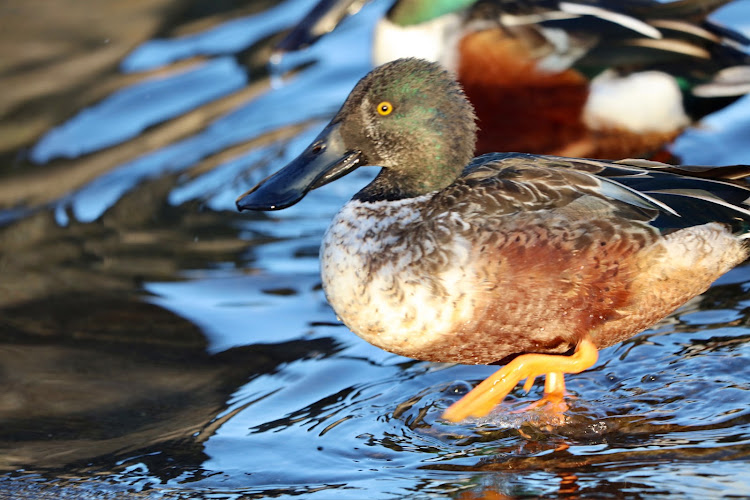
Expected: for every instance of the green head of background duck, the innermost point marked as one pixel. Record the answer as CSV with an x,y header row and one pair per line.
x,y
507,256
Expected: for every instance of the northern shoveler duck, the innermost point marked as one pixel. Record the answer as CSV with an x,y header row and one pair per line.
x,y
595,78
539,259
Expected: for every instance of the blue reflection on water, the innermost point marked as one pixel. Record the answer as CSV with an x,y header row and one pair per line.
x,y
227,38
722,138
130,111
235,310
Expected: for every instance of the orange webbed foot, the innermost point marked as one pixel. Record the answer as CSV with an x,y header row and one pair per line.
x,y
480,401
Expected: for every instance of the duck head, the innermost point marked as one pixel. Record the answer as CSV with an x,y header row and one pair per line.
x,y
409,117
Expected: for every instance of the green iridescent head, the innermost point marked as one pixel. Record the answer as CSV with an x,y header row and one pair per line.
x,y
408,116
412,118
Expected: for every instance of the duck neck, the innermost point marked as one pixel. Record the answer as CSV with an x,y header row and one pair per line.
x,y
392,185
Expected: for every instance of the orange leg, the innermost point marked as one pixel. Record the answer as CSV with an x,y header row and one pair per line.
x,y
480,401
554,384
554,394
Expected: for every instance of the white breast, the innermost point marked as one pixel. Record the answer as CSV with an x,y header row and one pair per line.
x,y
389,288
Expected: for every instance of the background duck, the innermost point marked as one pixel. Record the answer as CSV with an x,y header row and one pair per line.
x,y
597,79
539,259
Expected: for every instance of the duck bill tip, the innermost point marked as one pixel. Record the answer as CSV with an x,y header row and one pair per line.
x,y
323,161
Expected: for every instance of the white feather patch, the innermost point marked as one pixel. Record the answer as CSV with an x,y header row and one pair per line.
x,y
644,102
435,40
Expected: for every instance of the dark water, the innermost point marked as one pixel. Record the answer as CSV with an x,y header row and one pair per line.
x,y
156,344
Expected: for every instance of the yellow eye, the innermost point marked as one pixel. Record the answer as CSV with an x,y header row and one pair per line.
x,y
385,108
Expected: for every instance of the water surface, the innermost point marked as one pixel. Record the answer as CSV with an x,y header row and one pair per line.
x,y
156,344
